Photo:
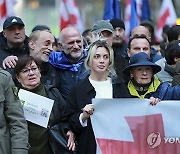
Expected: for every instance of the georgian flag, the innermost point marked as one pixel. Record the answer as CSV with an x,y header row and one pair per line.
x,y
167,16
135,11
70,15
6,9
132,126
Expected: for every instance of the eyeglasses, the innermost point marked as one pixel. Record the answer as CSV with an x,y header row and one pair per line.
x,y
27,71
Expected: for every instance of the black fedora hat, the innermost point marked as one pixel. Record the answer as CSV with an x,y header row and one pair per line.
x,y
141,59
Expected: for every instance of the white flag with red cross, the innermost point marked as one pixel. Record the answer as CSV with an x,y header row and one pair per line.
x,y
167,16
70,15
133,126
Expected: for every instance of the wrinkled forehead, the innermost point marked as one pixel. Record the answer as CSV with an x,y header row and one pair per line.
x,y
72,38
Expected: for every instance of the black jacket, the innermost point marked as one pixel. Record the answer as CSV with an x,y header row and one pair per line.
x,y
5,51
82,94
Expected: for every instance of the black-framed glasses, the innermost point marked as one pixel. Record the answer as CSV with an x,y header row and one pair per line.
x,y
28,70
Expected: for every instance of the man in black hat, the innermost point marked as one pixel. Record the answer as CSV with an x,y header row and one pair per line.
x,y
119,46
13,41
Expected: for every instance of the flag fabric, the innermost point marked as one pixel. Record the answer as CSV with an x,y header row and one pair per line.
x,y
111,10
167,16
132,126
135,11
70,15
6,9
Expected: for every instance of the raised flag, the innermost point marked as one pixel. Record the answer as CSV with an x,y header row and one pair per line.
x,y
132,126
70,15
135,11
167,16
145,10
111,10
6,9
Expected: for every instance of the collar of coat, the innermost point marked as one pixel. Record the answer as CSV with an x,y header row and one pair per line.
x,y
152,88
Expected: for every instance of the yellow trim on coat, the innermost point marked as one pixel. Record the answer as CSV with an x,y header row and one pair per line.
x,y
152,88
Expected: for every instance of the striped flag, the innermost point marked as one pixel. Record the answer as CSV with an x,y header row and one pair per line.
x,y
167,16
70,15
132,126
135,11
6,9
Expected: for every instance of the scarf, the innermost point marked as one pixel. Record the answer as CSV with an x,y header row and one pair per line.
x,y
60,61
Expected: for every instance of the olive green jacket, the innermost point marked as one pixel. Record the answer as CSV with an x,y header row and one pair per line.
x,y
13,126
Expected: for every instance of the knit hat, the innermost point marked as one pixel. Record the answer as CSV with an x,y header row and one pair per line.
x,y
102,25
141,59
13,20
117,23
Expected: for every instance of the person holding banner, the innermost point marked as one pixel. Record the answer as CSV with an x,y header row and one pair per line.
x,y
143,83
40,138
98,84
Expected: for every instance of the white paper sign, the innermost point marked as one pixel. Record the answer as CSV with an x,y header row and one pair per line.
x,y
36,108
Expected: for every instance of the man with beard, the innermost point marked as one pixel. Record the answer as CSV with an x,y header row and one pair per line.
x,y
69,63
40,46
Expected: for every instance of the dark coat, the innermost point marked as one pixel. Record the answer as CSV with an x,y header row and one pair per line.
x,y
82,94
38,136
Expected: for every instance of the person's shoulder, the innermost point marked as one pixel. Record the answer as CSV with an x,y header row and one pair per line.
x,y
4,72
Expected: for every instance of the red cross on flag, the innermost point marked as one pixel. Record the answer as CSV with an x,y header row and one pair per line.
x,y
70,15
132,126
167,16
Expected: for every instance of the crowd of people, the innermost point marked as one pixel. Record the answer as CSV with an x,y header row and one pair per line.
x,y
74,69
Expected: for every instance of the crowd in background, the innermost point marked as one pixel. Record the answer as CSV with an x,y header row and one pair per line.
x,y
73,69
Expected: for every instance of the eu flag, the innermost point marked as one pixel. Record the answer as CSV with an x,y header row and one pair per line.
x,y
146,14
111,10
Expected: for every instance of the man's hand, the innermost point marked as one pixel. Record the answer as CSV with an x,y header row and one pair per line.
x,y
10,62
71,139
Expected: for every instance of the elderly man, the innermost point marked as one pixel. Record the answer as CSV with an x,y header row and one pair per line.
x,y
13,40
69,63
40,46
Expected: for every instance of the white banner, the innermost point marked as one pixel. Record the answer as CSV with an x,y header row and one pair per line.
x,y
133,126
36,108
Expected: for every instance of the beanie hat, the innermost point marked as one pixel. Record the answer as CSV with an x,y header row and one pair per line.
x,y
117,23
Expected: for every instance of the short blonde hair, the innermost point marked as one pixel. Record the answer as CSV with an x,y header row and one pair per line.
x,y
91,52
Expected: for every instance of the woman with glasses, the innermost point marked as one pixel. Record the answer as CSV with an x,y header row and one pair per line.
x,y
97,85
28,74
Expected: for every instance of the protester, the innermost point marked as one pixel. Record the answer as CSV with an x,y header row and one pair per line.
x,y
13,126
28,74
150,26
69,63
172,55
142,30
119,47
13,41
98,84
40,46
143,83
104,29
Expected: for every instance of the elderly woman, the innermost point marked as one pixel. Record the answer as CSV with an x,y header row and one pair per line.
x,y
97,85
28,74
143,83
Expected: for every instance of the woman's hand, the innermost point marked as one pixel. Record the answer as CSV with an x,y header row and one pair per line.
x,y
154,101
87,111
71,140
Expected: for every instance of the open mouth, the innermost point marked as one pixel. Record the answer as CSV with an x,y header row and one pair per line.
x,y
46,53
